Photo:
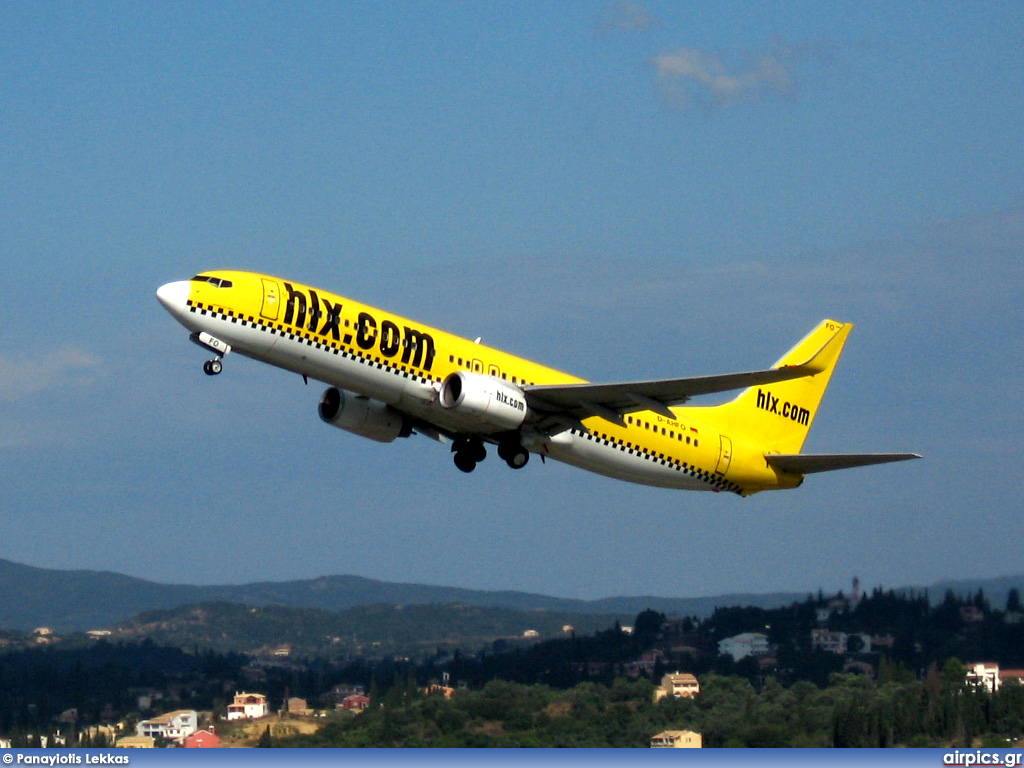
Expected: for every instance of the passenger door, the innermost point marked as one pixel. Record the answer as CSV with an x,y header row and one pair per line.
x,y
271,299
725,456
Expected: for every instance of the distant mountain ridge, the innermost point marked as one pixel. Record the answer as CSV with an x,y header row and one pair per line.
x,y
68,600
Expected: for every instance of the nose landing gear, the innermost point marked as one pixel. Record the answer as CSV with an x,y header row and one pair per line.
x,y
215,345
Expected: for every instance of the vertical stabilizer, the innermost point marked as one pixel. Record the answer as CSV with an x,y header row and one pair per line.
x,y
777,417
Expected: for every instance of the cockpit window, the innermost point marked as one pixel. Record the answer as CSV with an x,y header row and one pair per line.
x,y
215,281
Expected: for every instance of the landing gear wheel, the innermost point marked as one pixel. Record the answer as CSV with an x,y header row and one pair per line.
x,y
213,367
518,458
464,461
473,449
477,450
514,454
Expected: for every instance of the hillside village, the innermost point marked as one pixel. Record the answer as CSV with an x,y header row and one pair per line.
x,y
143,694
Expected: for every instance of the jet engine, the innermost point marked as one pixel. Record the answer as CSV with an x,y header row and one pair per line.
x,y
362,416
486,403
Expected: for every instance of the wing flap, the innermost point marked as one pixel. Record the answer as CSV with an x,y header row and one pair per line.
x,y
808,463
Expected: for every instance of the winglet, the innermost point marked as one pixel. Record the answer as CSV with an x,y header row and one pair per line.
x,y
825,356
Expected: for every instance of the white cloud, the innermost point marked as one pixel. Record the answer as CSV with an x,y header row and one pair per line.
x,y
690,75
23,377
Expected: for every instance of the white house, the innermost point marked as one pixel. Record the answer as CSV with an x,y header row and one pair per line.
x,y
248,706
746,644
984,675
175,726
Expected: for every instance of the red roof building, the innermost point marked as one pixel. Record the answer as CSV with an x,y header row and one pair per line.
x,y
356,702
202,740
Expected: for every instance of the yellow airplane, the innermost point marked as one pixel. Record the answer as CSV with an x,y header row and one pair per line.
x,y
388,377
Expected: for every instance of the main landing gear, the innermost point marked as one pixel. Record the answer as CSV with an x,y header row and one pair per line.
x,y
513,453
470,451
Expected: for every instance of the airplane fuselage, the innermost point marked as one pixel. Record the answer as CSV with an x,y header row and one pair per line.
x,y
401,363
389,376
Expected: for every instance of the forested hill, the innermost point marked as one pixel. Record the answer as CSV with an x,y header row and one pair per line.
x,y
375,631
82,600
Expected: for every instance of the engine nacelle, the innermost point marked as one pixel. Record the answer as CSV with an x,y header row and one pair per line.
x,y
362,416
489,404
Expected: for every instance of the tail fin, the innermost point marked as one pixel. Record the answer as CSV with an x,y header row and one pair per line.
x,y
778,416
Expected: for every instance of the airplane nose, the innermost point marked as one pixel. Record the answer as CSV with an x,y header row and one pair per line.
x,y
173,295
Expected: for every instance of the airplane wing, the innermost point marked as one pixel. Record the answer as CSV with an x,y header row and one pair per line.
x,y
806,463
613,401
564,406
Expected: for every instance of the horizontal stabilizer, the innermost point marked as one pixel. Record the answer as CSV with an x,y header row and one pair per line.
x,y
807,463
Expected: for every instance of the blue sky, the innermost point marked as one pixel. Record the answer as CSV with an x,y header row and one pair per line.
x,y
631,190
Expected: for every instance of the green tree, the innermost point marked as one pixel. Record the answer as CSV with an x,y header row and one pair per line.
x,y
266,740
1013,601
954,675
647,627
